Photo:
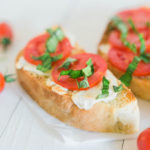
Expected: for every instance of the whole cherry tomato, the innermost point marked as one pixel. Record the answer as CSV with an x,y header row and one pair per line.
x,y
5,79
143,140
6,34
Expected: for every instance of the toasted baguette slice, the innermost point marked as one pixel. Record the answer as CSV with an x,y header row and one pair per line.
x,y
140,86
120,115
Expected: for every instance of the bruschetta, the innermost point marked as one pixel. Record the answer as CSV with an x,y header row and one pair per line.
x,y
74,86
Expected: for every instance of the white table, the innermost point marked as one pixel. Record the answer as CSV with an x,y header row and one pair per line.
x,y
86,20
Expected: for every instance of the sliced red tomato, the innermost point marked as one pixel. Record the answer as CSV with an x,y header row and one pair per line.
x,y
5,33
37,46
115,39
139,16
143,140
2,82
121,58
100,68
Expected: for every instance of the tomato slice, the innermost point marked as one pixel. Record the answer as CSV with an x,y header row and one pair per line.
x,y
2,82
36,47
115,39
5,31
100,68
121,58
140,16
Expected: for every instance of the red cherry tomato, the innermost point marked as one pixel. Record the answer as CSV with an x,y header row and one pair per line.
x,y
6,34
143,140
2,82
100,68
121,58
36,47
139,16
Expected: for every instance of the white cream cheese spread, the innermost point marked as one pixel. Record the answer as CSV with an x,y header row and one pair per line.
x,y
86,99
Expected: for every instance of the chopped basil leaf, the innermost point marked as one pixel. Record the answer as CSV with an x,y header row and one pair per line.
x,y
142,41
9,78
124,31
59,34
145,57
105,89
89,70
72,73
121,26
84,83
67,63
132,25
129,45
58,57
46,61
5,42
148,24
44,68
51,31
56,36
85,72
127,77
118,88
51,44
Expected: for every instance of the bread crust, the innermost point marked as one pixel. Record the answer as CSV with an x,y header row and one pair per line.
x,y
102,117
140,86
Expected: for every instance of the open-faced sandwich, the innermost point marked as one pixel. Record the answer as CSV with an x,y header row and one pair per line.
x,y
74,86
125,46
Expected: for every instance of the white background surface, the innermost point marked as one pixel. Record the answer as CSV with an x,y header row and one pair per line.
x,y
86,19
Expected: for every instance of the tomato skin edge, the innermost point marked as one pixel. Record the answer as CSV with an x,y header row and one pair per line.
x,y
143,140
2,82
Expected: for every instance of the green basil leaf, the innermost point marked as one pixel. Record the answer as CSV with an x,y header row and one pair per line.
x,y
124,31
101,96
120,25
67,63
5,41
87,71
72,73
56,36
148,24
127,77
9,78
131,46
141,38
51,44
43,68
142,41
89,62
65,72
59,34
43,57
118,88
132,25
46,61
145,57
58,57
76,74
50,31
84,83
105,89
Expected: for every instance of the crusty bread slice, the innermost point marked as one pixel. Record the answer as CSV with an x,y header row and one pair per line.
x,y
120,115
139,85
